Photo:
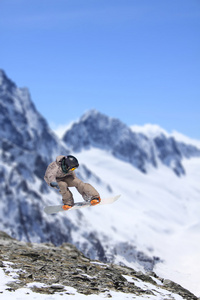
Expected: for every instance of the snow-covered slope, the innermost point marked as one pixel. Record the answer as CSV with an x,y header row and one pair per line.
x,y
157,214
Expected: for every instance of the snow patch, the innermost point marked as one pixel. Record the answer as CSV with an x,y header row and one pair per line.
x,y
60,129
185,139
150,130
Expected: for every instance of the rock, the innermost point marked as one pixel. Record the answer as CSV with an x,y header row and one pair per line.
x,y
49,269
166,282
57,286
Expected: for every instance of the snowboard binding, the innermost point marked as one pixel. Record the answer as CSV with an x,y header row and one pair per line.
x,y
95,201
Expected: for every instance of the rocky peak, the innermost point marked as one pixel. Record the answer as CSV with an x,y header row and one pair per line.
x,y
6,84
21,123
98,130
47,269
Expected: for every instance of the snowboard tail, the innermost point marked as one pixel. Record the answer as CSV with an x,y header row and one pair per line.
x,y
53,209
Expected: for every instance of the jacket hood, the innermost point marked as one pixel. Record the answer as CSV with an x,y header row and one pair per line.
x,y
58,159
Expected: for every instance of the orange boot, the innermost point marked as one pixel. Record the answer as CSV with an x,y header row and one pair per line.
x,y
66,207
95,201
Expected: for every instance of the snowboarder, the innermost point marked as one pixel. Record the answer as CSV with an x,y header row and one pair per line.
x,y
60,175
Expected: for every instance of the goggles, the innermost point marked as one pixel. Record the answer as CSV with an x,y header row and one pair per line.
x,y
66,167
72,169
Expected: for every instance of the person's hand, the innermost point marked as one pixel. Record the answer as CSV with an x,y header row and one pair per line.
x,y
54,184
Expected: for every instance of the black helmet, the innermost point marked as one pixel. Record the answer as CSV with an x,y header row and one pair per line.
x,y
69,163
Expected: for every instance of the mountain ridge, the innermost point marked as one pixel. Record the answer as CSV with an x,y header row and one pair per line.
x,y
95,129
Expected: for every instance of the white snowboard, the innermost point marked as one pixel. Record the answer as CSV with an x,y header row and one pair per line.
x,y
57,208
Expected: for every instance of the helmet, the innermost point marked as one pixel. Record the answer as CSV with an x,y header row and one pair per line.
x,y
69,163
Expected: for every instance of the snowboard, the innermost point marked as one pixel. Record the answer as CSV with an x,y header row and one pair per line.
x,y
53,209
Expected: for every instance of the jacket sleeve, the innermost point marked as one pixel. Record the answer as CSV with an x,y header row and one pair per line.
x,y
51,172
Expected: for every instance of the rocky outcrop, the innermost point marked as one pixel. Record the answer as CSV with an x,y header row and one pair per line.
x,y
47,269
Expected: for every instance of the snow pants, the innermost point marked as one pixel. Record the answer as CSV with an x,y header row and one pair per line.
x,y
85,189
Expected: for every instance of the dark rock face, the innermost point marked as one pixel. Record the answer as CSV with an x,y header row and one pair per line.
x,y
97,130
169,153
58,268
21,124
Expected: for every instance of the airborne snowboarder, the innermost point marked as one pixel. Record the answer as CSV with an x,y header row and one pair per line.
x,y
60,174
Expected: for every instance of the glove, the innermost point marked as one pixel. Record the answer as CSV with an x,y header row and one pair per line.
x,y
54,185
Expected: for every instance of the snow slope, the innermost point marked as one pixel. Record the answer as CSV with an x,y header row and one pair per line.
x,y
159,213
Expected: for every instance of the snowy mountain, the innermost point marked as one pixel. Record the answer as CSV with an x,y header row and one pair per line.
x,y
157,178
27,146
99,131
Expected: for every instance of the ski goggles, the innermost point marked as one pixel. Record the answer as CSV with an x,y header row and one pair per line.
x,y
67,166
72,169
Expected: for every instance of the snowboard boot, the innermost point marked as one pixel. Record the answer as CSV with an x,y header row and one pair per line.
x,y
95,201
66,207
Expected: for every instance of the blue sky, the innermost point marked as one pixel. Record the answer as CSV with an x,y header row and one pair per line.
x,y
137,60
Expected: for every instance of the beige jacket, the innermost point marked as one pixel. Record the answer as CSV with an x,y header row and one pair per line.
x,y
54,171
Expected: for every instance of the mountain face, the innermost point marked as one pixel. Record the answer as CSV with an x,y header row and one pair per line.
x,y
25,135
27,146
97,130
